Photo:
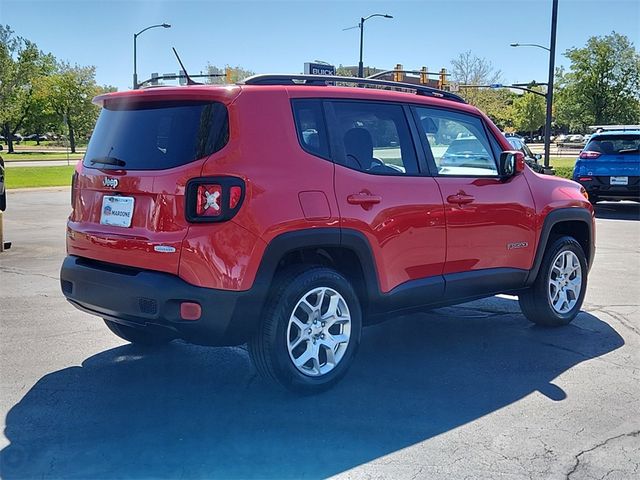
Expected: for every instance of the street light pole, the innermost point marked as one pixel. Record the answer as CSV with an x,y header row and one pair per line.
x,y
360,64
552,59
549,94
361,25
529,45
135,38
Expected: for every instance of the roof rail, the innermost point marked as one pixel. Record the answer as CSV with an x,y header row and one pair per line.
x,y
612,128
173,76
285,79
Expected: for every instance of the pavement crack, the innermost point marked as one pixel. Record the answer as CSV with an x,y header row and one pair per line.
x,y
573,470
15,271
620,318
582,355
417,474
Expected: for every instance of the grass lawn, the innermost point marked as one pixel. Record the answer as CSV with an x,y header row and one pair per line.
x,y
563,166
39,156
46,143
23,177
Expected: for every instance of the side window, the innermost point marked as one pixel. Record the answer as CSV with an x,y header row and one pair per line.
x,y
458,143
371,137
310,126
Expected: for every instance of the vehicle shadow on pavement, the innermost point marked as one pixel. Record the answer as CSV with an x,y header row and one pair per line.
x,y
618,210
187,411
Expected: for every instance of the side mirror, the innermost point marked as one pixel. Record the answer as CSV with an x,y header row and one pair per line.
x,y
511,162
538,156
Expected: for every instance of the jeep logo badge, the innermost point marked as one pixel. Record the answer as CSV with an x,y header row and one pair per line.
x,y
110,182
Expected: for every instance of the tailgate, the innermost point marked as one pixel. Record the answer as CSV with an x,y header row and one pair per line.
x,y
128,193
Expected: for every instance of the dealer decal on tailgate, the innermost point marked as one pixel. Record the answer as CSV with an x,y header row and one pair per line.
x,y
117,211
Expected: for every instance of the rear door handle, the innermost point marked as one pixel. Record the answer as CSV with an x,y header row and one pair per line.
x,y
460,199
365,199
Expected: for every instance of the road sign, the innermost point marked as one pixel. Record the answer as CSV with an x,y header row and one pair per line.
x,y
311,68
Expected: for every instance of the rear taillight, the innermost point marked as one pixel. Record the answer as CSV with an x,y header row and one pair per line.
x,y
589,154
213,199
209,201
74,180
585,179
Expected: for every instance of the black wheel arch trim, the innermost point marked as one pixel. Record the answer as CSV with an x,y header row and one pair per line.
x,y
554,218
323,237
438,290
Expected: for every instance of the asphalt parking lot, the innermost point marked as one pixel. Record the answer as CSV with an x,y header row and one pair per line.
x,y
473,391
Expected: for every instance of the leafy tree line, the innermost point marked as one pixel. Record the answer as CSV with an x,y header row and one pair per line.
x,y
600,87
40,94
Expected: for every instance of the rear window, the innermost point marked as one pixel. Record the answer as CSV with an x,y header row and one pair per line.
x,y
156,135
615,144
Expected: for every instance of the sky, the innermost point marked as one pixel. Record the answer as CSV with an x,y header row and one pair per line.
x,y
279,36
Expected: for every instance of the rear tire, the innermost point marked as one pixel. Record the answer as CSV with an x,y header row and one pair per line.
x,y
310,330
557,294
137,336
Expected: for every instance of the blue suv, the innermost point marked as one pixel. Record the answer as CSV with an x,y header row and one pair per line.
x,y
609,166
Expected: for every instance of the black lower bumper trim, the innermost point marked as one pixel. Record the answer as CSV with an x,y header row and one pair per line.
x,y
150,299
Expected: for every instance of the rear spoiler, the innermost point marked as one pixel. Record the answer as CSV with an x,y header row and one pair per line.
x,y
221,93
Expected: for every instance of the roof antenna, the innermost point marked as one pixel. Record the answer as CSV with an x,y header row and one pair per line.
x,y
189,79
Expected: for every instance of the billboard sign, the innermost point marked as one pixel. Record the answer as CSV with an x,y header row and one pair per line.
x,y
312,68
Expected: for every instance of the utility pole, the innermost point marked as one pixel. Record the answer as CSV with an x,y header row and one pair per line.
x,y
552,58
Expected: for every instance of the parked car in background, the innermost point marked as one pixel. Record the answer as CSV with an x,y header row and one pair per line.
x,y
609,166
529,157
514,135
37,137
576,138
15,137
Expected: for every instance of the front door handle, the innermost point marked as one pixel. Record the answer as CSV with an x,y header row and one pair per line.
x,y
363,198
460,199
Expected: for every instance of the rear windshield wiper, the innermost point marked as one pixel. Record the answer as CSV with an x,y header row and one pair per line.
x,y
108,161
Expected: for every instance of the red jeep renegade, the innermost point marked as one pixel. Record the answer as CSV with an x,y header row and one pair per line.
x,y
287,212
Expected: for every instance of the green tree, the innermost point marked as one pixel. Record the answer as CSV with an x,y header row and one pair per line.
x,y
20,64
496,103
40,118
474,72
70,91
602,85
529,112
237,73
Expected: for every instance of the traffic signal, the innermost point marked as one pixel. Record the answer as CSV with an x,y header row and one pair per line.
x,y
443,78
398,75
424,76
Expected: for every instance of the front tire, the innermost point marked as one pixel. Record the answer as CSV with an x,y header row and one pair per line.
x,y
310,331
557,294
137,336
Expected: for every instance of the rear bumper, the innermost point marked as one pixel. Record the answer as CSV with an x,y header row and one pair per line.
x,y
150,299
600,188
